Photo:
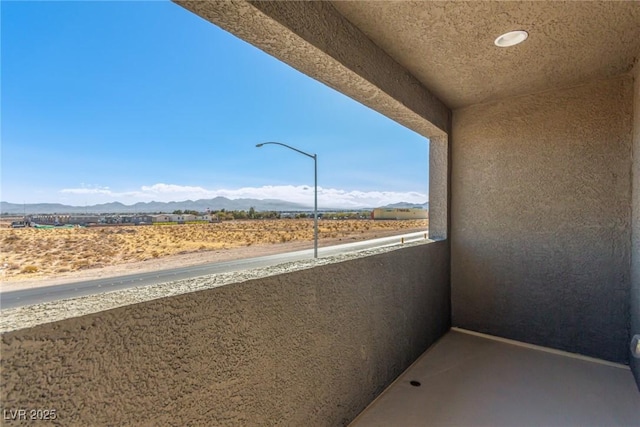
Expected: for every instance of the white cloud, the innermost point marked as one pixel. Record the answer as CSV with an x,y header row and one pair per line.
x,y
327,197
174,189
87,190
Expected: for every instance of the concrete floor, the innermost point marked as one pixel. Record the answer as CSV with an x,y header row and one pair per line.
x,y
469,379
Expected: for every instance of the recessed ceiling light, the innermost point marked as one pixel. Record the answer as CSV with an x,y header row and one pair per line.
x,y
511,38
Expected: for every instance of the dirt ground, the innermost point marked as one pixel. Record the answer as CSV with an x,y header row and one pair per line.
x,y
41,257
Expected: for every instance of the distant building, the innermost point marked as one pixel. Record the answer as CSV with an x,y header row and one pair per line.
x,y
50,219
143,219
161,218
83,219
399,213
137,219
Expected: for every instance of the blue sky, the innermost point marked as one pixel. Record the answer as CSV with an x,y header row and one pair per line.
x,y
141,101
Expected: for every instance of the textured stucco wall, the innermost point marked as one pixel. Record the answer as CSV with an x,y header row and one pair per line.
x,y
312,347
635,255
541,206
448,45
439,188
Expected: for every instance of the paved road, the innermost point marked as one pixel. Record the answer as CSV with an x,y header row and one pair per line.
x,y
24,297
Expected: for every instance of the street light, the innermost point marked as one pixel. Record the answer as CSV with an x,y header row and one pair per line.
x,y
315,193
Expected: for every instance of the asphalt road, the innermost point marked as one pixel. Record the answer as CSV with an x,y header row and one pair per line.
x,y
23,297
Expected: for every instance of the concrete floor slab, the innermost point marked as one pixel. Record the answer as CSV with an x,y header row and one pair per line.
x,y
471,380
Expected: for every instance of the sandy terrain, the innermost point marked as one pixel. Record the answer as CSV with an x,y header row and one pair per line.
x,y
36,257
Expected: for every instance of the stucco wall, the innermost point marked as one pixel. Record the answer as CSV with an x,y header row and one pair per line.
x,y
635,255
541,206
439,188
312,347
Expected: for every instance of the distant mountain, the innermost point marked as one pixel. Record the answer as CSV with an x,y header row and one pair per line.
x,y
405,205
13,208
202,205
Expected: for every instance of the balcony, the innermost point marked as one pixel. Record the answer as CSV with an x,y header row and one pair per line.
x,y
534,221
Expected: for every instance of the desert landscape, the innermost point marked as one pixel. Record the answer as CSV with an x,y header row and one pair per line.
x,y
30,254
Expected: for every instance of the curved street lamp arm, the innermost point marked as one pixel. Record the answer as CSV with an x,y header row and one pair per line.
x,y
313,156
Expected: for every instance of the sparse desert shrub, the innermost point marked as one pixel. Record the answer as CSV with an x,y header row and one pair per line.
x,y
11,238
80,264
29,269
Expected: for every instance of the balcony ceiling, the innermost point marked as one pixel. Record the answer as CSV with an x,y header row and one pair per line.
x,y
448,46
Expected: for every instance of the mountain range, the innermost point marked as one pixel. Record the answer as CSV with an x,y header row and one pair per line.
x,y
201,205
